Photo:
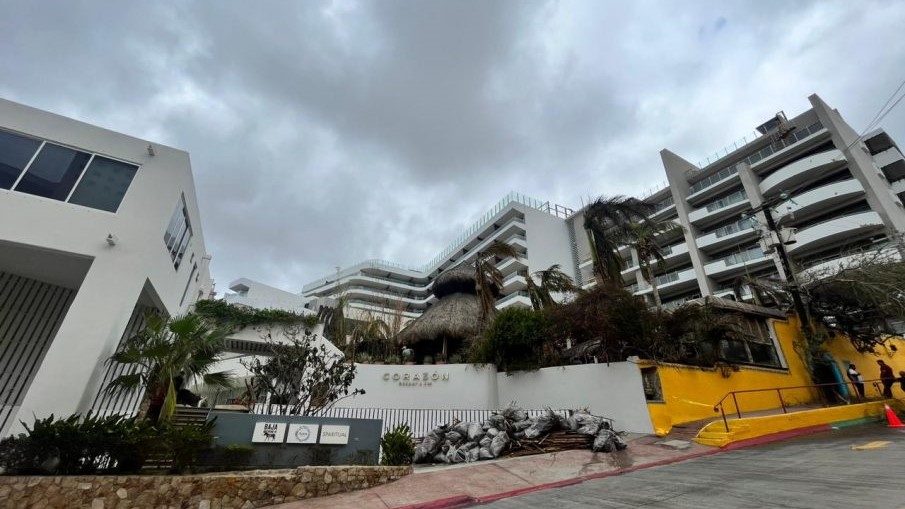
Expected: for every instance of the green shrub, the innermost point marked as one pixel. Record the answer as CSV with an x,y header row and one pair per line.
x,y
78,445
514,341
397,446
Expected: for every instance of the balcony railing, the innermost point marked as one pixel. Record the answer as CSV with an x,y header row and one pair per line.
x,y
735,227
753,253
791,139
512,296
727,200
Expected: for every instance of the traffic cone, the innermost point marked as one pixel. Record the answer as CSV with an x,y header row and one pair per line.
x,y
892,418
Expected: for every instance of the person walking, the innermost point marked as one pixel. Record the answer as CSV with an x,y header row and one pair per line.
x,y
856,378
887,377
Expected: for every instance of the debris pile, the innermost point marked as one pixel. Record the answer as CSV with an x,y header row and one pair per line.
x,y
512,432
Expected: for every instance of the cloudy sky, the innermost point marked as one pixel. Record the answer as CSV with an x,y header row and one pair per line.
x,y
322,134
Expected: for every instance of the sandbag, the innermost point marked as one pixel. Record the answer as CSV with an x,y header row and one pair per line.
x,y
474,454
429,446
515,413
522,425
496,421
475,431
454,437
461,428
486,441
485,454
541,425
493,432
441,458
498,444
608,441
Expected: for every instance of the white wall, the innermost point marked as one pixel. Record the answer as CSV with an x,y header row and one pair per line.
x,y
71,372
465,387
612,390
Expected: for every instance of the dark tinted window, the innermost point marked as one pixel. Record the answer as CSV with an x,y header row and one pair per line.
x,y
15,152
104,185
54,172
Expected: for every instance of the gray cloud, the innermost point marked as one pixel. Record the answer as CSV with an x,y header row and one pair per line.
x,y
326,133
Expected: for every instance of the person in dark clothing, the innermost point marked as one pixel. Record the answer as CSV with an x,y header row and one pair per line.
x,y
856,378
887,377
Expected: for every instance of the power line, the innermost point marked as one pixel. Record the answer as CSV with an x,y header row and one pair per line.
x,y
881,114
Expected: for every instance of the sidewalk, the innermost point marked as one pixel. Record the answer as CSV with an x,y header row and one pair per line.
x,y
467,484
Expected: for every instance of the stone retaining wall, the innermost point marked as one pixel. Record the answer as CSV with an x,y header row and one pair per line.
x,y
235,490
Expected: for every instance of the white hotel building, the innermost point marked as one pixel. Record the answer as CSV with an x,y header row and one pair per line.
x,y
843,194
97,227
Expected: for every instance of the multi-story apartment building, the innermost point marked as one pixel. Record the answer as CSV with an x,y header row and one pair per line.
x,y
537,230
97,227
832,190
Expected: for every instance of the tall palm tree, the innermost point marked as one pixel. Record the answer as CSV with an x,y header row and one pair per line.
x,y
167,354
373,333
644,237
488,279
605,221
552,280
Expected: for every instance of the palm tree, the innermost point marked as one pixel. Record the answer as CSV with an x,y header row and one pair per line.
x,y
605,221
642,236
167,354
488,279
552,280
374,334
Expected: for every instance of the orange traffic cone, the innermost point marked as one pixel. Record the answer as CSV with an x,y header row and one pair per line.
x,y
893,419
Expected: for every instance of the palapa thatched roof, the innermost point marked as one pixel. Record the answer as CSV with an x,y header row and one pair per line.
x,y
454,316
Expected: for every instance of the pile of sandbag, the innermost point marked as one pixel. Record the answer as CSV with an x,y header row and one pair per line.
x,y
503,431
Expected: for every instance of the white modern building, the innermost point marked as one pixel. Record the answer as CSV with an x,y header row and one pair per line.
x,y
537,230
834,193
97,228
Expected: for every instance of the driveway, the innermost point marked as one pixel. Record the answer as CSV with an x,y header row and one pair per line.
x,y
855,467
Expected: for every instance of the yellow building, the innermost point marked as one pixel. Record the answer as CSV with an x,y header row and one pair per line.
x,y
679,394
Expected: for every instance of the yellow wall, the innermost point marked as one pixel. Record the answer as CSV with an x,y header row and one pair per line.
x,y
690,393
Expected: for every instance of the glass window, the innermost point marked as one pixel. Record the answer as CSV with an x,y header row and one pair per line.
x,y
54,172
178,233
15,152
104,185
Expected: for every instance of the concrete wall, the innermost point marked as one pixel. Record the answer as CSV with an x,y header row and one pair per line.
x,y
613,390
458,386
70,374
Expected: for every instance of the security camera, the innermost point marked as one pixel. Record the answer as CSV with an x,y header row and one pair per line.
x,y
112,239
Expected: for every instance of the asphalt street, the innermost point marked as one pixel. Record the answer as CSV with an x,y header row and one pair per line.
x,y
855,467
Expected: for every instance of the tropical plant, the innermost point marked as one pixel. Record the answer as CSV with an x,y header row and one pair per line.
x,y
644,237
299,377
515,341
397,447
164,356
489,279
605,221
372,336
552,280
184,444
237,317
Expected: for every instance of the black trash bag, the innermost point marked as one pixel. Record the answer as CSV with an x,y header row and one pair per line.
x,y
451,454
486,441
496,421
492,432
461,455
485,454
587,424
608,441
475,431
441,458
515,413
523,425
454,437
498,444
429,446
461,428
541,425
474,454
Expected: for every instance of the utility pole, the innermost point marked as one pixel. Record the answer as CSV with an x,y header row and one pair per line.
x,y
797,302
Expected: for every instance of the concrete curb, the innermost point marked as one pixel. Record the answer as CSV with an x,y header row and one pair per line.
x,y
462,501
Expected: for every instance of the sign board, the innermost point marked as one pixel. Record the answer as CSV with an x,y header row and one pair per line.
x,y
332,434
302,434
269,432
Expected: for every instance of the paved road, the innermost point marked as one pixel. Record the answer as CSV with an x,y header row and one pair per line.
x,y
819,471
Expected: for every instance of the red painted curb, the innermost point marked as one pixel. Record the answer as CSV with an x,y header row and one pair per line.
x,y
529,489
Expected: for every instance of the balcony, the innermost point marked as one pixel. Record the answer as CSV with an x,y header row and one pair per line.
x,y
724,207
835,231
738,263
510,265
714,184
672,282
729,235
515,281
366,292
831,265
818,201
802,170
517,299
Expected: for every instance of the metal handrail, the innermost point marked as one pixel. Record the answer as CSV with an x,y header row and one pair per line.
x,y
720,405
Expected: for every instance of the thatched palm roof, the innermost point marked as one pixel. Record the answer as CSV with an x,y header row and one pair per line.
x,y
454,316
